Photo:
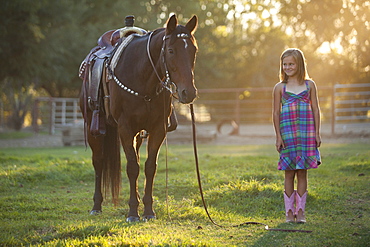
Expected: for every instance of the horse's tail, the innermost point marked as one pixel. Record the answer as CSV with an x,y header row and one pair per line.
x,y
112,163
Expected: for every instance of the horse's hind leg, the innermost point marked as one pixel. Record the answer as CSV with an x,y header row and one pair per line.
x,y
97,160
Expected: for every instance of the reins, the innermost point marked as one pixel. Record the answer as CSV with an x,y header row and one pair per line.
x,y
202,194
150,56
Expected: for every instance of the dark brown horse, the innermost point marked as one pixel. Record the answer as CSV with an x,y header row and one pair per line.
x,y
150,70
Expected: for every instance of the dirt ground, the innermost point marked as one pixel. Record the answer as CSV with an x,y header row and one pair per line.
x,y
248,135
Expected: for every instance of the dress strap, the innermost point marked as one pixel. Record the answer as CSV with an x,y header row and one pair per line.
x,y
307,85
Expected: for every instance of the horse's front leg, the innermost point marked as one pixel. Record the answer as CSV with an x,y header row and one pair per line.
x,y
154,143
132,170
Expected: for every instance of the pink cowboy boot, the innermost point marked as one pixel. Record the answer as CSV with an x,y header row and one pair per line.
x,y
289,206
300,207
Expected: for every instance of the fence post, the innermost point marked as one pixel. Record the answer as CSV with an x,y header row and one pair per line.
x,y
237,113
75,108
333,110
63,111
35,116
52,116
2,119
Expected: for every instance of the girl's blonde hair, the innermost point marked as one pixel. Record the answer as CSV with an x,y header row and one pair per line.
x,y
297,54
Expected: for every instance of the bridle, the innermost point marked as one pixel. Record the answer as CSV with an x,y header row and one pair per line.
x,y
165,83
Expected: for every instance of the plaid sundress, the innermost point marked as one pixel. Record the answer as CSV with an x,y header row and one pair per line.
x,y
297,129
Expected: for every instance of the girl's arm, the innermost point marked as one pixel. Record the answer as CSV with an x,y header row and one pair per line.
x,y
276,115
316,111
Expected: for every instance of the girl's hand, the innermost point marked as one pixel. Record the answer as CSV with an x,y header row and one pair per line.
x,y
279,144
318,140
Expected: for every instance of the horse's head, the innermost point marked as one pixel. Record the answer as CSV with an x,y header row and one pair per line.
x,y
179,54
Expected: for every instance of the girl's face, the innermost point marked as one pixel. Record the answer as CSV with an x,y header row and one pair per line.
x,y
290,66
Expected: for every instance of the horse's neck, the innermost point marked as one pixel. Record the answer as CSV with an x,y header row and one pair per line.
x,y
139,66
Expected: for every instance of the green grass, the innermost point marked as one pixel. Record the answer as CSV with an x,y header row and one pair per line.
x,y
14,135
46,193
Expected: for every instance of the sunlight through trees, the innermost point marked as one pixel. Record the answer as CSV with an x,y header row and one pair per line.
x,y
240,41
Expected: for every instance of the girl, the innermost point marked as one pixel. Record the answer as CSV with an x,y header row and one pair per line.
x,y
296,118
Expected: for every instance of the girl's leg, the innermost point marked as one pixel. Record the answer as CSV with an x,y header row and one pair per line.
x,y
301,195
289,195
289,182
301,181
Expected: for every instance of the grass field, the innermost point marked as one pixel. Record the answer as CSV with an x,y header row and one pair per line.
x,y
46,193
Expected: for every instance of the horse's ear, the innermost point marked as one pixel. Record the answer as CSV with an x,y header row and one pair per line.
x,y
192,24
171,24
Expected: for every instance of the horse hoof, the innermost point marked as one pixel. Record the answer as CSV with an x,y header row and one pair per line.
x,y
132,219
147,218
95,212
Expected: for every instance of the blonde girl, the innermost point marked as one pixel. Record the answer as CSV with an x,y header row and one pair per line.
x,y
296,119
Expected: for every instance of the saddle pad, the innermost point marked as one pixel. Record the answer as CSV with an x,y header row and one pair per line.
x,y
119,51
126,31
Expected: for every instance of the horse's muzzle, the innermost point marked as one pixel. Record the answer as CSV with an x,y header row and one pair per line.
x,y
187,96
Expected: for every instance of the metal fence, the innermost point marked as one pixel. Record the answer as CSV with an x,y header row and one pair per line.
x,y
352,102
341,104
52,114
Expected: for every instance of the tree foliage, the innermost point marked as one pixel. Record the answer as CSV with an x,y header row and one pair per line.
x,y
240,41
340,29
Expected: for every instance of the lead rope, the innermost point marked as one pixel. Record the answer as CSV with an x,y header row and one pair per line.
x,y
202,194
167,201
165,121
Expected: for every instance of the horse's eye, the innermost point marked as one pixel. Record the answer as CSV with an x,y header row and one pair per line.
x,y
170,51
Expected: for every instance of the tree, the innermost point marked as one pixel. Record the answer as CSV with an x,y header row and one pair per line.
x,y
20,35
43,43
240,41
20,100
336,32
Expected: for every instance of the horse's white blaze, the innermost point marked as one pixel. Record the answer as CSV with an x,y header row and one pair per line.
x,y
186,44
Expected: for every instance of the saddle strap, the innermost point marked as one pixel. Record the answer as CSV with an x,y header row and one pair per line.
x,y
106,93
95,78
